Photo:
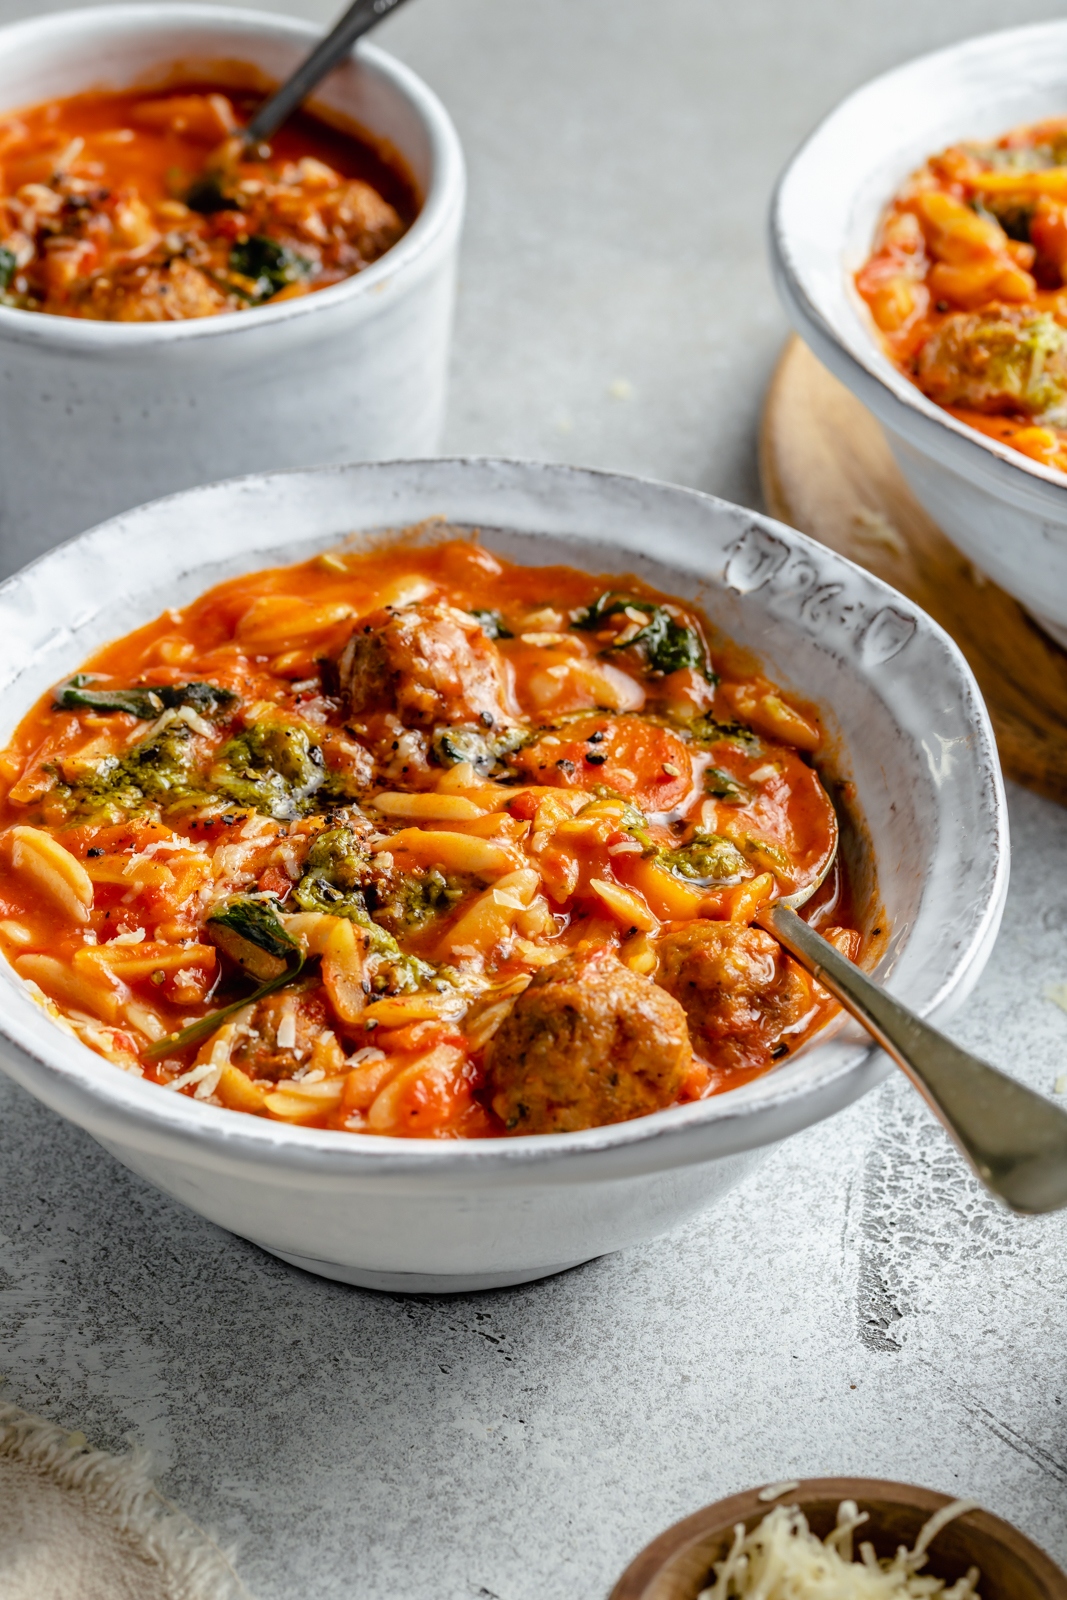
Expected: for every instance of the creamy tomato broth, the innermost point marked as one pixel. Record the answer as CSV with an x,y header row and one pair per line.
x,y
967,284
144,207
421,842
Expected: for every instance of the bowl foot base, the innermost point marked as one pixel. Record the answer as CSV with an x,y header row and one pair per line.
x,y
419,1282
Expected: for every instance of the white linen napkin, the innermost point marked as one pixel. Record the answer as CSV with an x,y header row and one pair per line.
x,y
81,1522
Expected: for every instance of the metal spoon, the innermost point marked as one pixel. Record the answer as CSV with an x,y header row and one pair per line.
x,y
1015,1140
206,193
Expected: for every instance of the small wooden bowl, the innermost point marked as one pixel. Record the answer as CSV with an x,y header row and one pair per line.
x,y
678,1564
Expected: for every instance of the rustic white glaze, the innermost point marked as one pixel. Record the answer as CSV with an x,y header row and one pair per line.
x,y
98,416
1008,513
905,722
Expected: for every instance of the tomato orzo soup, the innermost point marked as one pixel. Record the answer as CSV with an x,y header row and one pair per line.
x,y
145,207
968,286
416,841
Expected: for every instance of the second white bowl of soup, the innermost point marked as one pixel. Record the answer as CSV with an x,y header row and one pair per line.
x,y
468,836
1005,509
145,347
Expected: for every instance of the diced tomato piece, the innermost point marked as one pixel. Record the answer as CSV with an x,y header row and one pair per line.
x,y
632,757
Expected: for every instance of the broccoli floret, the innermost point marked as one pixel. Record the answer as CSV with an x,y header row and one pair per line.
x,y
1019,362
483,748
157,771
708,730
415,899
335,874
1013,214
339,881
273,767
707,859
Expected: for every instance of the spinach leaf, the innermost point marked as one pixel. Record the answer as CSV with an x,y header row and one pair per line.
x,y
251,932
724,786
607,605
668,645
207,195
269,265
493,624
71,696
145,703
207,698
8,265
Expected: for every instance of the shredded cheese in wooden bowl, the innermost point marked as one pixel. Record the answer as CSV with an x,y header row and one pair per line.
x,y
781,1559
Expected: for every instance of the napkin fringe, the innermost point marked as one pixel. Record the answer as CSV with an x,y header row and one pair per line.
x,y
121,1488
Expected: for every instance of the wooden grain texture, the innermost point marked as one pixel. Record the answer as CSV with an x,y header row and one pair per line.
x,y
678,1564
827,469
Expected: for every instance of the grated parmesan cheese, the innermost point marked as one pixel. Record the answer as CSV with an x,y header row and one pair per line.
x,y
286,1034
781,1559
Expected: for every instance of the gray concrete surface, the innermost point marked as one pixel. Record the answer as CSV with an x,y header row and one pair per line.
x,y
859,1306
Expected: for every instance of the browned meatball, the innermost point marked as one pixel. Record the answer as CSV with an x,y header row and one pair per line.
x,y
589,1042
1008,358
430,664
742,994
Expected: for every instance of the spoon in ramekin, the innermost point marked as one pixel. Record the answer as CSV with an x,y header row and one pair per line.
x,y
1015,1140
206,192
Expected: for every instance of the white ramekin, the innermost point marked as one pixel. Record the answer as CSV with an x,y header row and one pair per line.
x,y
98,416
906,726
1008,513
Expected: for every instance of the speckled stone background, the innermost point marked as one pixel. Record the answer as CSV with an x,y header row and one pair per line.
x,y
858,1306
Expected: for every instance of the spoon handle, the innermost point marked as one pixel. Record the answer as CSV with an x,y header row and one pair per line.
x,y
1015,1140
360,17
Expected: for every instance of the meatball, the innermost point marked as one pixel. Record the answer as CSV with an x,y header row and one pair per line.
x,y
429,664
741,992
1005,359
589,1042
257,1049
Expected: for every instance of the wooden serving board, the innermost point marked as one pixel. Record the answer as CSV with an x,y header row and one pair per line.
x,y
827,469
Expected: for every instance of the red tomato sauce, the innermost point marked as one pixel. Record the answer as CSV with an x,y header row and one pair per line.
x,y
323,845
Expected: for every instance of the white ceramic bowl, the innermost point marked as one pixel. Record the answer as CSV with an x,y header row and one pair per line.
x,y
1008,513
98,416
906,724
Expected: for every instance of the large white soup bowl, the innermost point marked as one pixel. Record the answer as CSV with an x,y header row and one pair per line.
x,y
99,416
906,727
1008,513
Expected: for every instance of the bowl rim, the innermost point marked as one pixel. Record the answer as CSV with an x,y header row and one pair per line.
x,y
903,406
209,1134
638,1581
441,207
